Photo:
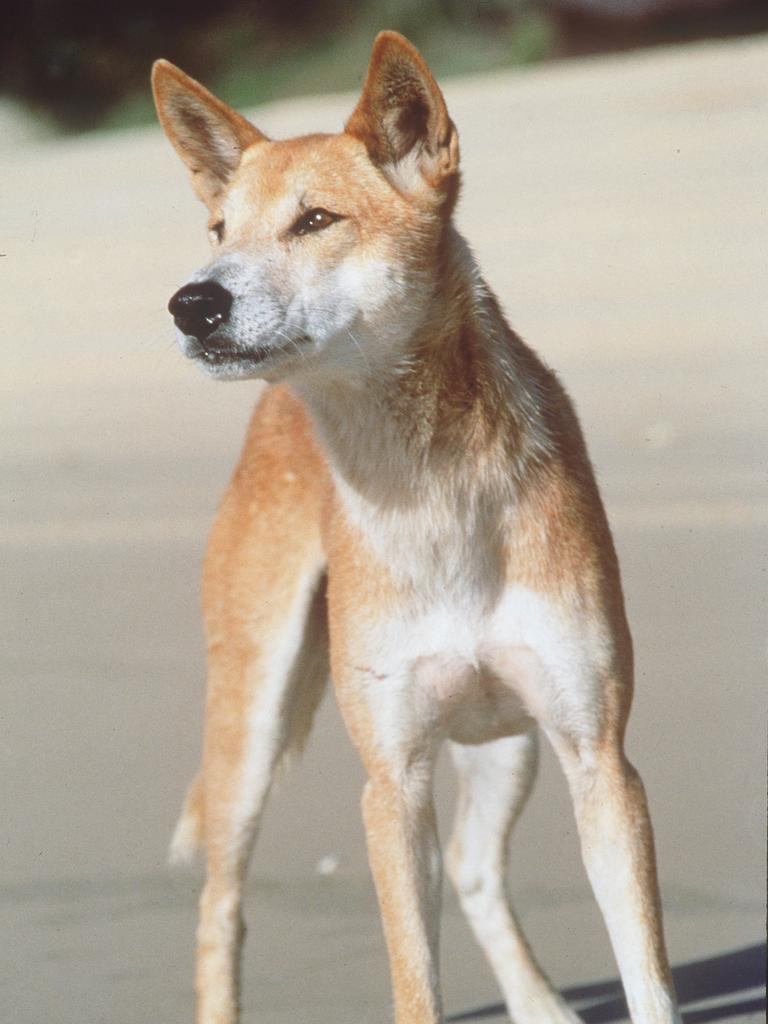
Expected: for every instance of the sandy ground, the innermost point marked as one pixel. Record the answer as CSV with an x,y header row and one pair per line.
x,y
619,208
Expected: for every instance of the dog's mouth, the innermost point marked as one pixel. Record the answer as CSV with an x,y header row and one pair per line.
x,y
241,360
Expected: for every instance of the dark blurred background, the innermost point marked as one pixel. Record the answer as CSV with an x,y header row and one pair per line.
x,y
84,64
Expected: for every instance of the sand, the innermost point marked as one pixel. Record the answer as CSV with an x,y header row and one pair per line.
x,y
618,206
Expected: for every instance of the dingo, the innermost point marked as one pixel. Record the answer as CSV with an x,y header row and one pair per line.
x,y
415,455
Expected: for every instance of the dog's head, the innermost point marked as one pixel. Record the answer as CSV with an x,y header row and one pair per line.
x,y
325,247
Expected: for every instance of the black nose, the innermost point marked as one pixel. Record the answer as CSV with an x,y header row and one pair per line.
x,y
198,309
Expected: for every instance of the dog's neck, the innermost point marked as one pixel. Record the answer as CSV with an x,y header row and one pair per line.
x,y
459,402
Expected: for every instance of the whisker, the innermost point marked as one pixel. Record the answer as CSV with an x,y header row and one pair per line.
x,y
279,332
359,348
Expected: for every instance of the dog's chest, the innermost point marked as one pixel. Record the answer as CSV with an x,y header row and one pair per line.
x,y
474,673
452,669
445,551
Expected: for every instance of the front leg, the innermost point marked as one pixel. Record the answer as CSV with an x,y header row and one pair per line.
x,y
575,675
397,737
618,852
405,861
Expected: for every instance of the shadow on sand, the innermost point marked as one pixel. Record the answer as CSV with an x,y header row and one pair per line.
x,y
730,978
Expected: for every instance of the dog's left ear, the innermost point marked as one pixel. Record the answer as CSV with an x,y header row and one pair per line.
x,y
403,120
209,136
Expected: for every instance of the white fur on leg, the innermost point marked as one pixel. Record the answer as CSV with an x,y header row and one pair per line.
x,y
495,780
617,849
186,840
188,834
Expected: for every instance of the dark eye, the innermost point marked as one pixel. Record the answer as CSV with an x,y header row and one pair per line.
x,y
314,220
216,231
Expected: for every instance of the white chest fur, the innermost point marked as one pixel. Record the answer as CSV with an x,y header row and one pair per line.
x,y
473,673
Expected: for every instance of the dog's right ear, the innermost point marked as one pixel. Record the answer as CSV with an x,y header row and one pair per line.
x,y
209,136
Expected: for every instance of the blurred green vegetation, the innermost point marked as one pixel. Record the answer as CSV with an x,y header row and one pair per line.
x,y
84,64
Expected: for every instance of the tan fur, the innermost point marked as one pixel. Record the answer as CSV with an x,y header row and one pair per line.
x,y
414,452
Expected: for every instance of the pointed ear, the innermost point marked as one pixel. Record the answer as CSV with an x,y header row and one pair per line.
x,y
403,120
209,136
